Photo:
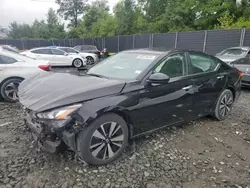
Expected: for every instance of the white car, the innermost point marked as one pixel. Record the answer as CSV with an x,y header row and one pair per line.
x,y
14,68
91,57
56,57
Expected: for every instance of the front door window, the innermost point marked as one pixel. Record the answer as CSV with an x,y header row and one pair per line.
x,y
173,66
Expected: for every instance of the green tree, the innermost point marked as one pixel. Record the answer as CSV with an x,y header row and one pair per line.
x,y
18,31
125,13
71,10
52,18
106,26
54,27
39,29
94,19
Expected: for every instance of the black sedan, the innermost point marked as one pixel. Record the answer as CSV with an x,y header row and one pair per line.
x,y
127,95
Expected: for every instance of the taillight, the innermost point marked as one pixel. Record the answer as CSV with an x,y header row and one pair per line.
x,y
240,73
45,67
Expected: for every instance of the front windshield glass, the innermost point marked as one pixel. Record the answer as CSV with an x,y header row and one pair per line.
x,y
69,50
233,52
124,65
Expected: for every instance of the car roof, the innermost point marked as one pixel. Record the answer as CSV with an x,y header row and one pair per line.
x,y
64,47
240,47
148,51
159,50
43,48
86,45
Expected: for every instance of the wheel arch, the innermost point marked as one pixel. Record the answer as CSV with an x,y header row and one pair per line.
x,y
232,90
12,77
88,116
127,119
89,56
76,59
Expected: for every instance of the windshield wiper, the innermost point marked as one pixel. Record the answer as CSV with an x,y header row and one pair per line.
x,y
97,75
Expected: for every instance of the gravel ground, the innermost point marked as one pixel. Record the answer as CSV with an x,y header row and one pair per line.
x,y
203,153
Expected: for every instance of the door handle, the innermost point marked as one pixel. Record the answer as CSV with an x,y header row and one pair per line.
x,y
220,77
187,87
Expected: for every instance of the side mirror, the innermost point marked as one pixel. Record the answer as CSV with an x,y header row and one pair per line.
x,y
66,54
158,78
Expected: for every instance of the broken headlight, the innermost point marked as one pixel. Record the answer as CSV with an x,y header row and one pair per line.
x,y
60,113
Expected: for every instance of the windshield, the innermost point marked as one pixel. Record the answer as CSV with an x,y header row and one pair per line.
x,y
68,50
124,65
233,52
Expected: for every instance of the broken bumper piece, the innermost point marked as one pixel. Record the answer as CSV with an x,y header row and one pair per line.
x,y
46,140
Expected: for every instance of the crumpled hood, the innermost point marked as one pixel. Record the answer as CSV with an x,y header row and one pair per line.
x,y
52,90
228,59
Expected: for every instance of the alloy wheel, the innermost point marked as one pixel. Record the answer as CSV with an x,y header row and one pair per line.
x,y
77,63
90,60
106,141
226,105
11,91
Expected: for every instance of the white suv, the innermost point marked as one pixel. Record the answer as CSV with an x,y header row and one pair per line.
x,y
14,68
56,57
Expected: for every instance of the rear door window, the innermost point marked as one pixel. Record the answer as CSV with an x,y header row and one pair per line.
x,y
84,48
201,63
58,52
42,51
7,60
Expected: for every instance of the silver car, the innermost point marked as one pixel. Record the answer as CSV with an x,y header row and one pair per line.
x,y
238,57
235,53
56,57
14,68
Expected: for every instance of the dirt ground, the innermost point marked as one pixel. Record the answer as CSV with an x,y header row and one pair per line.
x,y
203,153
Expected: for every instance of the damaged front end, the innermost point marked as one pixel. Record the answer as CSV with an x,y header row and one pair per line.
x,y
54,130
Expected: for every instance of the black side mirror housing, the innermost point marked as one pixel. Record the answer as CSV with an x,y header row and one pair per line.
x,y
158,78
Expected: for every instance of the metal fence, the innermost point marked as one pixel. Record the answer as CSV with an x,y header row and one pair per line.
x,y
210,42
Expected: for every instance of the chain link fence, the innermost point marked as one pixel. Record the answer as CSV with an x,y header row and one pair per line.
x,y
210,42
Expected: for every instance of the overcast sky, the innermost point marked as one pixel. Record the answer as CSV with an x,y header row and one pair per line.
x,y
26,11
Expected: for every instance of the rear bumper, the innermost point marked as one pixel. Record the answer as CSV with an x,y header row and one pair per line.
x,y
245,81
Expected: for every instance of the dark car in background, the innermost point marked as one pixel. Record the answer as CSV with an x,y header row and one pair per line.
x,y
127,95
88,49
238,57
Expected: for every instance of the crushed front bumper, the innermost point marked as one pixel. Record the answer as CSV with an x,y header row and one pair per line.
x,y
48,136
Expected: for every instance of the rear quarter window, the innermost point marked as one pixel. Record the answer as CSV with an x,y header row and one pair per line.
x,y
223,65
7,60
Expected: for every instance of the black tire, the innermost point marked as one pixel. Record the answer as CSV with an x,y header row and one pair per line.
x,y
90,60
86,140
6,86
77,63
224,105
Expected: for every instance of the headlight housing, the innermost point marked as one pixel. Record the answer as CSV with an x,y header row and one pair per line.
x,y
60,113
